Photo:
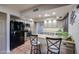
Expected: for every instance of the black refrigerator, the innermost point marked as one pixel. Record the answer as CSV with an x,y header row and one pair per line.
x,y
16,34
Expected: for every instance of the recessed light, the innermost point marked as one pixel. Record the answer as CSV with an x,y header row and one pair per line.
x,y
49,21
31,19
45,21
54,21
39,15
54,13
46,15
57,17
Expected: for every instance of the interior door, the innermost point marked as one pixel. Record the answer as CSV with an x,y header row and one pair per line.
x,y
2,35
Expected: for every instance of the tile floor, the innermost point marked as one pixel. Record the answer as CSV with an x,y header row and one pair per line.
x,y
26,48
23,49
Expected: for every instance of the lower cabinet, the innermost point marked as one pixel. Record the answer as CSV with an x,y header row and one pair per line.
x,y
68,48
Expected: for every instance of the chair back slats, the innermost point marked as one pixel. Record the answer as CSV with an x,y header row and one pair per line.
x,y
53,45
34,39
35,46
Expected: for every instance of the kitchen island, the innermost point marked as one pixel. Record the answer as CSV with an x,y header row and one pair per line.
x,y
67,47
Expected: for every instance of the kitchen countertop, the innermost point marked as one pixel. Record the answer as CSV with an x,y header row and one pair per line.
x,y
51,36
67,47
43,36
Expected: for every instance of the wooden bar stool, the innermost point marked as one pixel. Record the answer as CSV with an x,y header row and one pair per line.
x,y
53,45
35,45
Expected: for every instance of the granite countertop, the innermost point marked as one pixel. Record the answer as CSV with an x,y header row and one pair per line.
x,y
51,36
55,36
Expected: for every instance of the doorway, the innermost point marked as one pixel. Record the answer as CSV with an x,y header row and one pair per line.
x,y
39,27
2,33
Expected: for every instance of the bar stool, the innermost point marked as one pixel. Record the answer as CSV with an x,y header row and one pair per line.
x,y
35,45
53,45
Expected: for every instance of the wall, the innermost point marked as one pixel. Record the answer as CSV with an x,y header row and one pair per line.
x,y
3,33
9,11
6,43
74,29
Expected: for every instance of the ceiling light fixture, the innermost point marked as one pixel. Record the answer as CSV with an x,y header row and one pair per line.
x,y
57,17
54,13
49,21
39,15
54,21
46,15
31,19
45,21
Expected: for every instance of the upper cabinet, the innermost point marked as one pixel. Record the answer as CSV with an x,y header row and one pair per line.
x,y
53,24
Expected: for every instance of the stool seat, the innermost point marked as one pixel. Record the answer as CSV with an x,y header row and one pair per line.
x,y
34,43
52,47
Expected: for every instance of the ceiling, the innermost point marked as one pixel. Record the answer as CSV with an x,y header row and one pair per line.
x,y
27,10
47,9
20,7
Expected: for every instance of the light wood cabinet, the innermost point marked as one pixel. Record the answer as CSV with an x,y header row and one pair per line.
x,y
69,47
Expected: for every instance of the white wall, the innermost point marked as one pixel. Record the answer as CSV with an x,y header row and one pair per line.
x,y
2,33
74,29
8,12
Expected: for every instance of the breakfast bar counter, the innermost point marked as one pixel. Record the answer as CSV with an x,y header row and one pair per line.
x,y
64,49
51,36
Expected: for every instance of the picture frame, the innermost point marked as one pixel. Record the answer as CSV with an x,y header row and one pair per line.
x,y
72,18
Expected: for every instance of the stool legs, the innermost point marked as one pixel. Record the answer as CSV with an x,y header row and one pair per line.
x,y
35,49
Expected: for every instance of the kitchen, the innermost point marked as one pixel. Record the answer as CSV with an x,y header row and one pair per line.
x,y
53,21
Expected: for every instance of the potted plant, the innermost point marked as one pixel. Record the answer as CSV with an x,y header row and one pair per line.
x,y
65,34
